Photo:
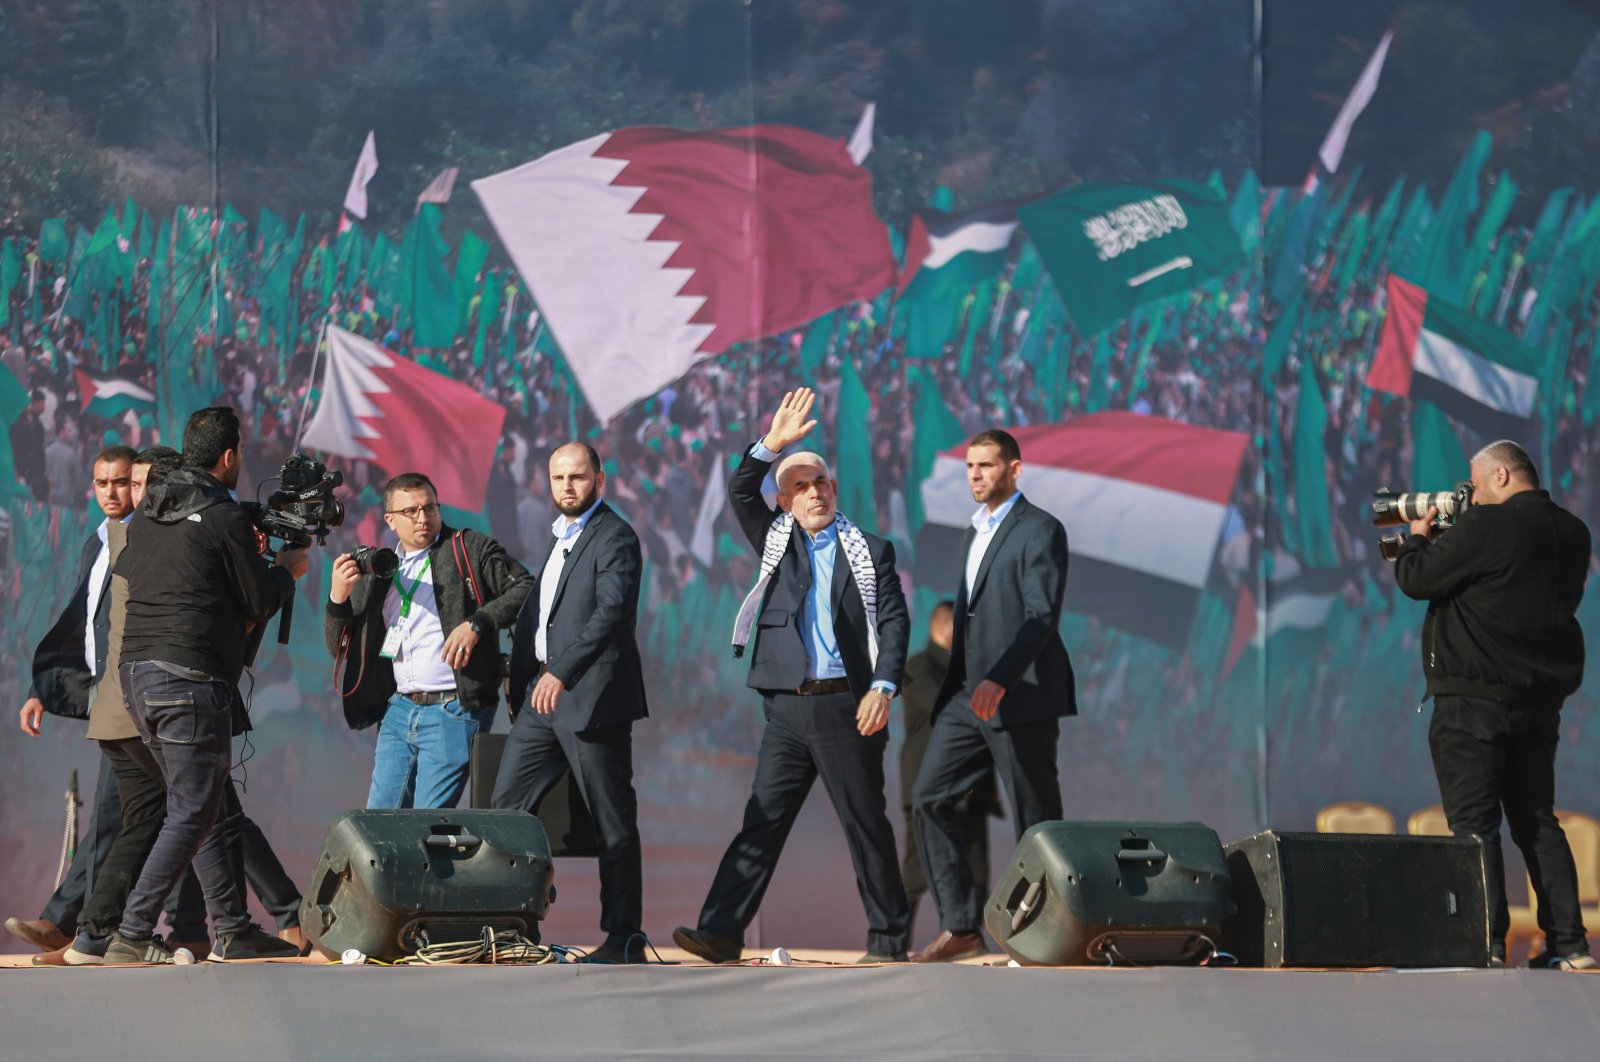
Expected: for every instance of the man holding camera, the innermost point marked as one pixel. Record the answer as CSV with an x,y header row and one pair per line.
x,y
421,649
1502,650
197,589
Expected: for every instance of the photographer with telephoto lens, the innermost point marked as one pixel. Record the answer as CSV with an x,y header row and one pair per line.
x,y
417,634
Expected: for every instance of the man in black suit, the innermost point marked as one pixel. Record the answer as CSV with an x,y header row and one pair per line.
x,y
574,646
831,628
1010,682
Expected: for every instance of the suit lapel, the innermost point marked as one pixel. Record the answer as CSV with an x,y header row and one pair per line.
x,y
584,538
1000,535
841,575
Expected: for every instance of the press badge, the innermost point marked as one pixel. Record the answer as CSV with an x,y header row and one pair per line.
x,y
391,643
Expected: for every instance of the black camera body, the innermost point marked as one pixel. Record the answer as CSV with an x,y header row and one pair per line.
x,y
376,560
1391,510
303,509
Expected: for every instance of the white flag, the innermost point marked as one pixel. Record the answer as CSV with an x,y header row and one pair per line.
x,y
860,145
439,191
355,199
1333,145
703,542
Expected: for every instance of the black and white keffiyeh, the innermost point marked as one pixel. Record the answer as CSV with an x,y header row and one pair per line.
x,y
856,552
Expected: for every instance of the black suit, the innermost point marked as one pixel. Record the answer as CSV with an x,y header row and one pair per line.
x,y
1006,631
811,736
591,648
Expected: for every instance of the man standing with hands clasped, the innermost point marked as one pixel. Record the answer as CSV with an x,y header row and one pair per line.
x,y
1009,683
830,628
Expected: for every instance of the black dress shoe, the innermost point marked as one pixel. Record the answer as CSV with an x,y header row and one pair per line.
x,y
613,955
708,946
948,947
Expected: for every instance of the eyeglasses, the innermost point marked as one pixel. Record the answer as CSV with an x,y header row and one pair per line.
x,y
416,512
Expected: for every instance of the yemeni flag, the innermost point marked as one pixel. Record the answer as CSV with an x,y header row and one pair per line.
x,y
1144,501
1113,247
947,257
1480,374
650,248
112,396
378,407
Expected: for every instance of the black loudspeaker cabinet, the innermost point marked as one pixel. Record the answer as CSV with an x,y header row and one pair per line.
x,y
565,816
1351,899
388,882
1097,893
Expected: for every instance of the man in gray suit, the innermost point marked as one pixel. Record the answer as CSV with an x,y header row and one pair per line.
x,y
1009,684
574,645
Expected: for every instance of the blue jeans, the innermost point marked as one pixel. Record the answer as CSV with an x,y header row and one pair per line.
x,y
423,753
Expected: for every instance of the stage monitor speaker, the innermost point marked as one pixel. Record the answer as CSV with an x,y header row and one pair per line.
x,y
1350,899
1098,893
565,816
388,882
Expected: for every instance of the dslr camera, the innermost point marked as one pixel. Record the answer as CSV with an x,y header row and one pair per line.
x,y
1391,510
303,508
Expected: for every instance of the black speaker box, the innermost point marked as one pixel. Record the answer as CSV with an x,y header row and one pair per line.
x,y
1350,899
1081,893
388,882
565,816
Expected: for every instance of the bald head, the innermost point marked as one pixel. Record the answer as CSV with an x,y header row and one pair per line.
x,y
575,478
1501,469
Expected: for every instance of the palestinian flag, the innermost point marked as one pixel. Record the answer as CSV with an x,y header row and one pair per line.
x,y
947,256
1144,501
1480,374
111,396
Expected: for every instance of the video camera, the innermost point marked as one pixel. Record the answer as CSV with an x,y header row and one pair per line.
x,y
1391,510
301,511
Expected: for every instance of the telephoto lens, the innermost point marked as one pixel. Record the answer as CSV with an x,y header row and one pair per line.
x,y
376,560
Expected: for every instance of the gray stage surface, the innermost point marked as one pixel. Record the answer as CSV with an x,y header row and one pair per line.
x,y
287,1010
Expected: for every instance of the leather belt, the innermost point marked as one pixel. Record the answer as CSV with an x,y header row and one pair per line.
x,y
818,687
431,696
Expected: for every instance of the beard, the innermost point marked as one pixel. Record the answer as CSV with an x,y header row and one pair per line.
x,y
577,508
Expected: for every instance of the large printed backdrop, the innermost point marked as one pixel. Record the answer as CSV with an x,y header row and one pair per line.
x,y
1104,226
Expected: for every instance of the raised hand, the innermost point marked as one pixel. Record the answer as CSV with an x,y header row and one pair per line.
x,y
790,423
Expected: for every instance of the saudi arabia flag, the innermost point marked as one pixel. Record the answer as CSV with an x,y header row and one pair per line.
x,y
1112,247
1482,375
111,396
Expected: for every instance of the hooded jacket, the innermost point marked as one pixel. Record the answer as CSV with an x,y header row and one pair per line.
x,y
197,583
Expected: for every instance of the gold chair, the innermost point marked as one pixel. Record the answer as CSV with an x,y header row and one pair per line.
x,y
1429,822
1355,816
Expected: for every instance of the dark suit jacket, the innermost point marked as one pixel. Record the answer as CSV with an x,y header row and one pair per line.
x,y
355,629
591,640
61,677
1008,628
778,652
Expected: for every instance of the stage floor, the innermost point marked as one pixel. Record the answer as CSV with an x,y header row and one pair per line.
x,y
820,1006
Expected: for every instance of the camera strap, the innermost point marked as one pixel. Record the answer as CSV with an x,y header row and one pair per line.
x,y
458,550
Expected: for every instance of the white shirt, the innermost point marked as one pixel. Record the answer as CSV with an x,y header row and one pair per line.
x,y
419,665
97,585
566,532
986,523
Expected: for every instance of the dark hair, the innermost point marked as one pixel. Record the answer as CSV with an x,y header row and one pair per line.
x,y
163,462
594,457
208,435
1009,450
1513,458
407,481
115,453
946,605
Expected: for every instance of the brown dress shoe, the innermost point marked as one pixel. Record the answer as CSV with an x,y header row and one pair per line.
x,y
44,935
708,946
948,947
296,936
612,955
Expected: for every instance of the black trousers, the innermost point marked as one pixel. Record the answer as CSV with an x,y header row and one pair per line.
x,y
1488,756
961,748
536,756
975,831
65,906
807,738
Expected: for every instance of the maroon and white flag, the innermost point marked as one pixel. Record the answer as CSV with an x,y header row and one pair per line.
x,y
438,191
379,407
650,248
1144,501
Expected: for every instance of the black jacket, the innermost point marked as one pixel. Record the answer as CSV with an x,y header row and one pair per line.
x,y
354,630
1503,587
196,579
1009,628
61,676
591,642
778,652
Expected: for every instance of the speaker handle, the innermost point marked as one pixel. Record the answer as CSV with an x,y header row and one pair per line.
x,y
453,840
1148,854
1025,906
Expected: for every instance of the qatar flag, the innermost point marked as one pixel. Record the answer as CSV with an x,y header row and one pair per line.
x,y
1144,501
379,407
650,248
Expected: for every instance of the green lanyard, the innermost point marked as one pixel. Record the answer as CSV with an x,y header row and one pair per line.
x,y
407,595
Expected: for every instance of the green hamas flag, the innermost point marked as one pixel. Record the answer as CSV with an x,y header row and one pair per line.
x,y
1111,247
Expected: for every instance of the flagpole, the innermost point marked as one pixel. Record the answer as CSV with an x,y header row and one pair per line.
x,y
311,380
